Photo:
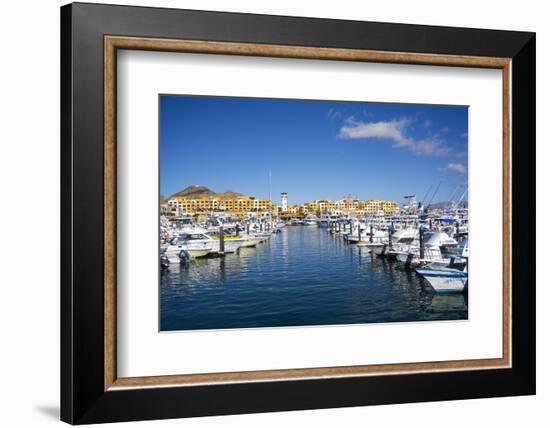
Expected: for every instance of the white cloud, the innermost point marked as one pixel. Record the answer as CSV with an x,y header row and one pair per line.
x,y
332,113
461,155
394,131
457,168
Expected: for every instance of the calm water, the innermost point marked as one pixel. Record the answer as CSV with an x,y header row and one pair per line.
x,y
302,276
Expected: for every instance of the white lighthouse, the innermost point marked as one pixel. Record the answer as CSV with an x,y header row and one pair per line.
x,y
284,202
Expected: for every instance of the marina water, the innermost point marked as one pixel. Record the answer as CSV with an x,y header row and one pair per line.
x,y
301,276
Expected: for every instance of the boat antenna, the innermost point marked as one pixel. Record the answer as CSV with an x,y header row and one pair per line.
x,y
454,193
461,198
435,193
269,185
426,195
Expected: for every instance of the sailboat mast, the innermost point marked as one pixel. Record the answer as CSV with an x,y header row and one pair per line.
x,y
269,185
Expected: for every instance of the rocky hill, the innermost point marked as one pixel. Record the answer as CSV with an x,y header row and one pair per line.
x,y
197,192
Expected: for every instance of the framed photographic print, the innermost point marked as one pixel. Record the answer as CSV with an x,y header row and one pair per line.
x,y
265,213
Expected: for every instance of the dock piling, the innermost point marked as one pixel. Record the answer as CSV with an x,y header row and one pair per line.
x,y
421,239
222,242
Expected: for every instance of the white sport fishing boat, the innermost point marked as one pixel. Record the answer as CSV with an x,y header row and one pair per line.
x,y
326,219
193,244
310,220
296,222
189,244
377,235
231,243
251,240
401,242
277,226
432,251
376,243
445,280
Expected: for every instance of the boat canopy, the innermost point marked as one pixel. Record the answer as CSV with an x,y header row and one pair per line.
x,y
439,238
447,219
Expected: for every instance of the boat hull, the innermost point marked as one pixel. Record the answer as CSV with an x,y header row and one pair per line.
x,y
172,258
230,245
251,242
375,247
198,252
174,253
445,282
380,250
401,256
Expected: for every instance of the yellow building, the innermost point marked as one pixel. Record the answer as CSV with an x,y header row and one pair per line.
x,y
238,206
352,206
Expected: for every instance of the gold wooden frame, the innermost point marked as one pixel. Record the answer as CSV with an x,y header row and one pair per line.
x,y
113,43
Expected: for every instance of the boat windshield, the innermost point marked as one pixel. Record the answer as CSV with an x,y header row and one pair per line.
x,y
192,237
406,240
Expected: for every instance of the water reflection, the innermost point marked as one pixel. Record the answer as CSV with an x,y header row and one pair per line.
x,y
302,276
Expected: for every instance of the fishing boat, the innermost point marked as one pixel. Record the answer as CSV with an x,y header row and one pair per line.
x,y
249,241
310,220
361,233
445,280
380,250
399,247
412,255
231,242
277,226
375,240
189,245
296,222
380,245
193,244
326,219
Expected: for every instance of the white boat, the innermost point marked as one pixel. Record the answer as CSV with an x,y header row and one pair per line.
x,y
251,240
401,243
230,243
310,220
402,255
380,250
378,236
215,221
326,219
189,245
277,226
445,280
408,250
193,244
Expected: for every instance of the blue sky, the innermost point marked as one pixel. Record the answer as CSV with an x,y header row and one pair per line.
x,y
313,149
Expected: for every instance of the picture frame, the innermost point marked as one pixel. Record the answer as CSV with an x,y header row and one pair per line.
x,y
91,391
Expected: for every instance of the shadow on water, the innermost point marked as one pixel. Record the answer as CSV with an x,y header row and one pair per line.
x,y
302,276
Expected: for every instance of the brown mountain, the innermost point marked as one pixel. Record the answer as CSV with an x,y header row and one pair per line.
x,y
228,194
196,192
